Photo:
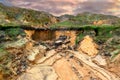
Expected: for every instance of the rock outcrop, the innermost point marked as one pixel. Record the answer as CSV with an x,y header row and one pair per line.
x,y
88,46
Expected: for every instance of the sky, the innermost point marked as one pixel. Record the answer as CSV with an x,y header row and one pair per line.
x,y
60,7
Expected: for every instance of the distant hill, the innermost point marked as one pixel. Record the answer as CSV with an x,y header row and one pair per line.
x,y
87,19
14,16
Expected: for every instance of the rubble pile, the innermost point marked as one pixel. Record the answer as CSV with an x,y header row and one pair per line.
x,y
58,60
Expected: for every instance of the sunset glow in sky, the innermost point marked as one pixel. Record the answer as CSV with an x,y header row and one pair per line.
x,y
60,7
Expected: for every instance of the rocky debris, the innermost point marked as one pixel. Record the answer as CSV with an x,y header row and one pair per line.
x,y
70,34
58,43
12,63
116,39
16,44
62,41
68,66
116,58
117,32
110,45
59,60
39,72
88,46
48,55
36,52
19,64
2,35
113,40
62,37
100,72
89,32
114,54
99,60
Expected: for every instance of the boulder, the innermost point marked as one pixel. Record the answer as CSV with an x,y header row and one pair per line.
x,y
116,39
62,37
58,43
39,72
36,52
99,60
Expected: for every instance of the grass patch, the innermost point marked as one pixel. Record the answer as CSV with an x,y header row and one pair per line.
x,y
14,32
103,33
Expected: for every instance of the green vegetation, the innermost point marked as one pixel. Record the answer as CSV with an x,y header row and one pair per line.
x,y
13,16
14,32
103,35
87,19
103,25
103,29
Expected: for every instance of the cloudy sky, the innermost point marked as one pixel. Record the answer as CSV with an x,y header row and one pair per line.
x,y
60,7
